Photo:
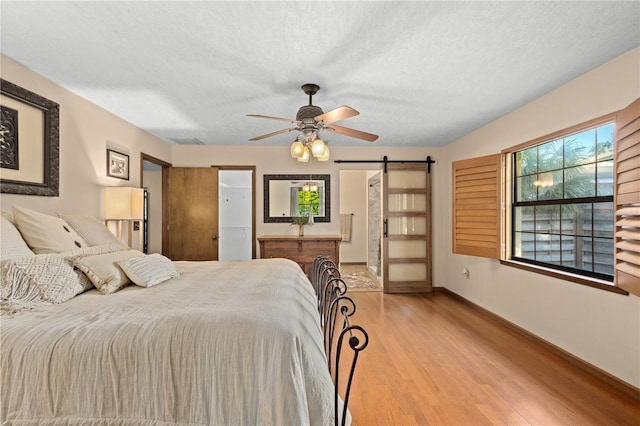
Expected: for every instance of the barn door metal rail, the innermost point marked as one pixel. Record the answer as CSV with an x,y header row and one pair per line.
x,y
428,161
332,306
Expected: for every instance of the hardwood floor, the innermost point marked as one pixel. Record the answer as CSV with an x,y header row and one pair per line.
x,y
433,360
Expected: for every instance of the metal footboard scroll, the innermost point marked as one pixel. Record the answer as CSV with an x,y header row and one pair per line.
x,y
336,310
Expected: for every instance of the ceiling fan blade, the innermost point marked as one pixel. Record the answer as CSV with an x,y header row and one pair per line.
x,y
268,135
337,114
352,132
288,120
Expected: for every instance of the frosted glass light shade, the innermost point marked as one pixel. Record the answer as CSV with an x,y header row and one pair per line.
x,y
297,149
318,147
325,155
304,158
123,203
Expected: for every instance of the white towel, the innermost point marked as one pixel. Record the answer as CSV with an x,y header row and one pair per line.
x,y
345,226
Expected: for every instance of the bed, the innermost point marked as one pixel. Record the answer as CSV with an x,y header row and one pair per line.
x,y
236,342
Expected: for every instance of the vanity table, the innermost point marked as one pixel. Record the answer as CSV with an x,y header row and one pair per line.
x,y
302,250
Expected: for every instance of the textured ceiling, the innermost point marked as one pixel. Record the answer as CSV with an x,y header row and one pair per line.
x,y
420,73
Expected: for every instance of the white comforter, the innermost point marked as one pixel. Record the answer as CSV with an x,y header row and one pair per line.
x,y
226,343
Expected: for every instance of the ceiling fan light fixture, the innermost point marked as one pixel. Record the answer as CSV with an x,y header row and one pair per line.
x,y
318,147
297,149
325,155
304,158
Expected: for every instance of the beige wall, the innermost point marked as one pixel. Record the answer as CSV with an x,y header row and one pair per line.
x,y
353,200
600,327
277,160
86,131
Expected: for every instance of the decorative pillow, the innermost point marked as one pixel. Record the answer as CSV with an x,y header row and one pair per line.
x,y
11,242
93,231
37,280
93,250
45,233
149,270
103,271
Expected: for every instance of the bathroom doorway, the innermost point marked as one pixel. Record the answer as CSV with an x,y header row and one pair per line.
x,y
361,229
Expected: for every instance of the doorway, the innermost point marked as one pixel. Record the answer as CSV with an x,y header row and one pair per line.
x,y
360,223
374,217
210,213
236,212
391,226
152,181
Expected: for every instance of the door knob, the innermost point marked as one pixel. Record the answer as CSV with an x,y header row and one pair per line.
x,y
215,237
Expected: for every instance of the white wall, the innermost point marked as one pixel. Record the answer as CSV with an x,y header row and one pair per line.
x,y
86,131
600,327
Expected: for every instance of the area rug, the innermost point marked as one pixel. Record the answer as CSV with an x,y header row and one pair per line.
x,y
360,281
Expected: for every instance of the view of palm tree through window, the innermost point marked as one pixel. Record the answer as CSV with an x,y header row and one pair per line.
x,y
563,203
306,200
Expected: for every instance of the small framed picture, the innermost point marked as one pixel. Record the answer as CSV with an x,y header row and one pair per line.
x,y
117,165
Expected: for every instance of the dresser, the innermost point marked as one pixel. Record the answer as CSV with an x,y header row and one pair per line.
x,y
302,250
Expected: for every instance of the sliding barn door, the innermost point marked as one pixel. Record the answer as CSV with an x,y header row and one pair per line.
x,y
192,213
406,205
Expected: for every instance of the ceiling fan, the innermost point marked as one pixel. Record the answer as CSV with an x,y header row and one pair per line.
x,y
310,119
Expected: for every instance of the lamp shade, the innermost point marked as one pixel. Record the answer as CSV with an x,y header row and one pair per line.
x,y
304,158
297,149
325,155
123,203
318,147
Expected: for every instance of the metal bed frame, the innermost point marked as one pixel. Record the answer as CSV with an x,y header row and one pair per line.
x,y
336,309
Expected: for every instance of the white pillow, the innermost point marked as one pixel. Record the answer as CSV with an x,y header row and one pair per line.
x,y
103,271
11,242
37,280
93,231
45,233
149,270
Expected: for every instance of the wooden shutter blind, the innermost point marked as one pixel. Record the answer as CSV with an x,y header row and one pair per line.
x,y
627,199
476,206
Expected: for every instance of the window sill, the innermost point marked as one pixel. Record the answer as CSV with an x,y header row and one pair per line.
x,y
591,282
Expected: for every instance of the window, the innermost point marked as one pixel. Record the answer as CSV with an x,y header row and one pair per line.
x,y
562,212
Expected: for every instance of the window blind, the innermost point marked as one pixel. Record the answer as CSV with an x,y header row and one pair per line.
x,y
627,199
476,206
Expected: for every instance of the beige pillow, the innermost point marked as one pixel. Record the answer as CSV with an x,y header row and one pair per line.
x,y
44,233
33,281
149,270
12,244
93,231
103,269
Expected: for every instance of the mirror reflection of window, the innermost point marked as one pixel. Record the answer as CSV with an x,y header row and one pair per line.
x,y
288,196
304,199
301,196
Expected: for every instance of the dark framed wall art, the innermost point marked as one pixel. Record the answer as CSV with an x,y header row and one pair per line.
x,y
29,142
117,164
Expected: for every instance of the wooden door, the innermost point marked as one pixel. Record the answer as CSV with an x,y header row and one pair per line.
x,y
192,213
407,249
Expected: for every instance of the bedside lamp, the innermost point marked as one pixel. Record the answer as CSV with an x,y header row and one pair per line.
x,y
124,204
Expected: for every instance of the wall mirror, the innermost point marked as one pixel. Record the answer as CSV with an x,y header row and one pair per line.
x,y
288,196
